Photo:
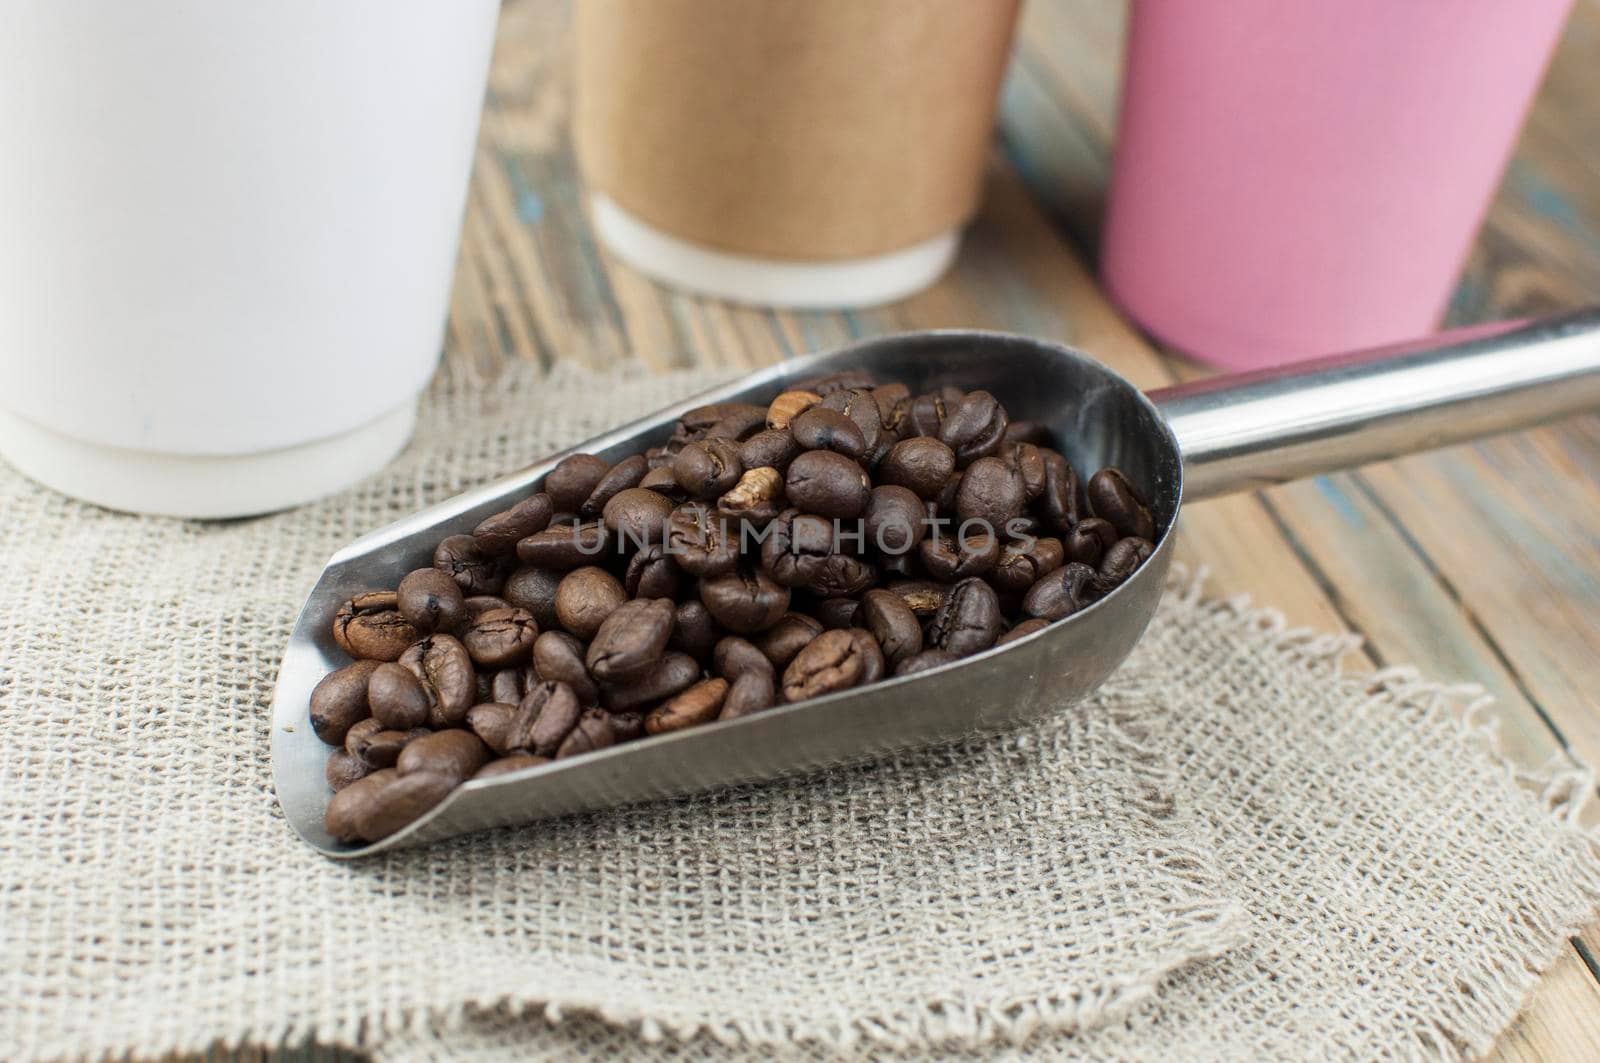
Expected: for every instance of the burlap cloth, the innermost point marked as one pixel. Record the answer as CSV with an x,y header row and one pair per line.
x,y
1233,849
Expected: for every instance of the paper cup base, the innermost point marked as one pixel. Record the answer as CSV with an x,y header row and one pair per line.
x,y
849,282
182,485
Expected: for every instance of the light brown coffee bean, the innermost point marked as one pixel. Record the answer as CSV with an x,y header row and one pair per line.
x,y
397,698
339,701
455,754
370,627
699,704
789,405
431,600
592,732
633,636
585,598
508,764
342,769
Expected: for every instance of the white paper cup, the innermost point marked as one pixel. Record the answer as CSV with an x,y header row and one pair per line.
x,y
227,233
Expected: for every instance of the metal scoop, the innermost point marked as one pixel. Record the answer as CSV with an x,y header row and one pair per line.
x,y
1191,441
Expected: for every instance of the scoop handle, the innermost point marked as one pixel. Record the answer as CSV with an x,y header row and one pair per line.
x,y
1255,429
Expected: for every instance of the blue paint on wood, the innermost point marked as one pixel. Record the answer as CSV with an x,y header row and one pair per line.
x,y
1336,497
530,208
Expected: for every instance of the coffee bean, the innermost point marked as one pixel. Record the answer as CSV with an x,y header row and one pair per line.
x,y
544,718
831,662
1058,502
1028,432
636,517
651,573
708,468
508,764
565,546
475,572
841,576
493,722
789,405
773,449
699,704
744,601
342,769
1027,461
899,566
739,421
1022,563
949,559
350,804
585,598
626,726
859,405
370,627
1022,630
990,494
668,675
1120,561
693,630
735,656
633,636
892,623
700,542
624,474
430,600
795,547
445,669
1060,593
827,484
500,637
754,500
836,613
749,693
820,428
399,802
377,746
969,620
890,399
873,665
498,534
534,589
592,732
1089,539
923,597
925,416
826,384
934,658
455,754
1113,497
479,604
573,480
664,482
558,657
787,637
509,684
975,428
397,697
339,701
895,520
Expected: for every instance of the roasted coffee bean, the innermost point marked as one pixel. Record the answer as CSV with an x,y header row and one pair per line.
x,y
708,468
370,627
1120,561
1112,497
565,546
624,474
479,604
592,732
949,559
892,623
891,399
946,502
510,684
544,718
430,600
895,520
836,613
773,449
1023,561
342,769
633,636
975,428
379,748
573,480
651,573
351,805
721,418
740,422
356,738
397,697
455,754
925,660
498,534
463,560
693,630
1060,593
339,701
1028,432
789,405
990,494
507,765
750,692
699,704
701,542
874,667
637,517
735,656
969,620
859,405
828,485
795,547
1022,630
923,597
401,801
1058,502
787,637
666,676
1089,539
820,428
842,576
657,458
558,657
899,566
755,499
534,589
585,598
493,721
1027,461
664,482
833,661
745,600
500,637
626,726
925,415
445,668
828,383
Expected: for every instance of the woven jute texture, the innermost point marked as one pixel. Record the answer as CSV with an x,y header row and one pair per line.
x,y
153,900
1404,883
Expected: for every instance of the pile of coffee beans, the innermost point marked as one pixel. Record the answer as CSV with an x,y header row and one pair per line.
x,y
846,532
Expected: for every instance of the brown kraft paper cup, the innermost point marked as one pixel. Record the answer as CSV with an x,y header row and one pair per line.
x,y
791,131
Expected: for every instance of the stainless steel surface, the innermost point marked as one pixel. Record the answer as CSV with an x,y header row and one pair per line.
x,y
1355,407
1257,429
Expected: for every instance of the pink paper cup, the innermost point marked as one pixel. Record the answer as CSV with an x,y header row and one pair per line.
x,y
1293,178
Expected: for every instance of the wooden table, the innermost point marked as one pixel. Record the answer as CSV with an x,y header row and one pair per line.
x,y
1477,563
